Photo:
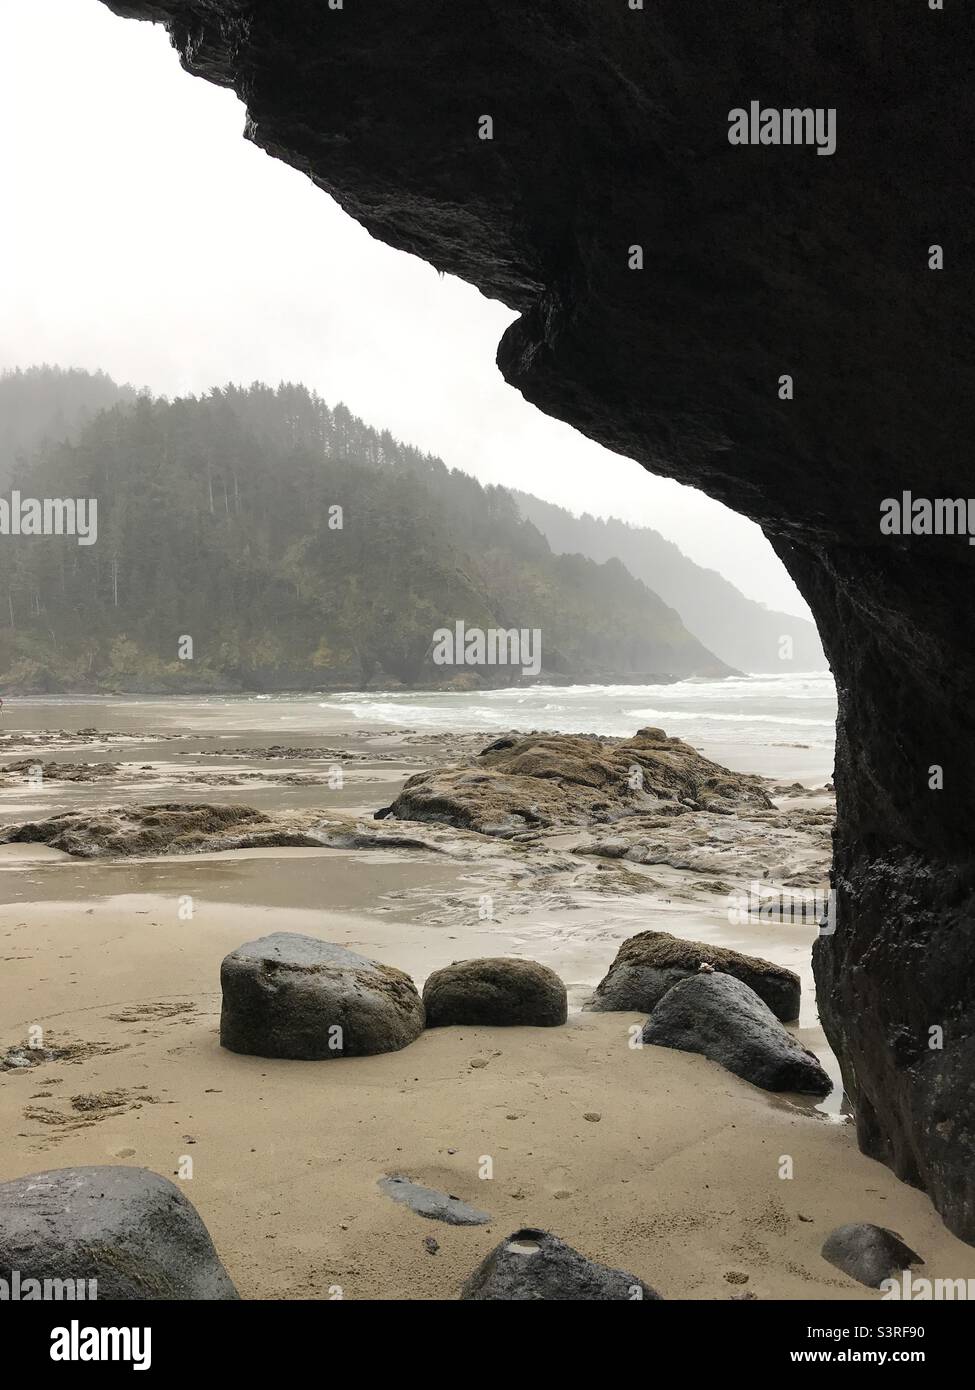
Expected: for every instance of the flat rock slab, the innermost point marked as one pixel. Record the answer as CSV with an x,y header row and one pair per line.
x,y
652,962
868,1253
437,1206
128,1228
532,1265
497,992
724,1020
287,995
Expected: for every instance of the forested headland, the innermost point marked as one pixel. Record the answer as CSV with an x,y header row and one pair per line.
x,y
293,545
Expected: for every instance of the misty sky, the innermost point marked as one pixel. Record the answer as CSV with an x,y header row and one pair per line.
x,y
142,234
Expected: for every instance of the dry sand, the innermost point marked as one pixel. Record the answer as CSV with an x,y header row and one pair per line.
x,y
654,1161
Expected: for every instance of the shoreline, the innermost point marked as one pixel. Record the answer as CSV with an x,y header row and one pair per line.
x,y
677,1180
777,745
465,684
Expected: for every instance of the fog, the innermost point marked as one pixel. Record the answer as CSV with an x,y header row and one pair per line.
x,y
144,236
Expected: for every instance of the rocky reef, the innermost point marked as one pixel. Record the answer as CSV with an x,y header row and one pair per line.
x,y
610,132
520,783
176,827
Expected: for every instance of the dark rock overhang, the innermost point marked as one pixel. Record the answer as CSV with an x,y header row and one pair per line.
x,y
611,131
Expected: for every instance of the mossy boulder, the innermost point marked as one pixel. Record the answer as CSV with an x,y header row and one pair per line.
x,y
652,962
495,991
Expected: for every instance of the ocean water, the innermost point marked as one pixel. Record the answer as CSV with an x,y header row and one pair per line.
x,y
779,725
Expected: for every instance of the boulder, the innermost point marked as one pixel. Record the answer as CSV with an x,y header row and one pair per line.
x,y
128,1228
650,963
184,828
532,1265
287,995
724,1020
868,1253
496,991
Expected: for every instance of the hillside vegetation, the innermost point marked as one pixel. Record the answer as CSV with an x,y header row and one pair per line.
x,y
257,539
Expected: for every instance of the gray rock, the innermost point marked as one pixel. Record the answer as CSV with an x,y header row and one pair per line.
x,y
437,1206
496,991
868,1253
723,1019
19,1058
128,1228
532,1265
650,963
15,1059
287,995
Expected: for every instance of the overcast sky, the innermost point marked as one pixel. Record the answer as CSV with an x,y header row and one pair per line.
x,y
142,234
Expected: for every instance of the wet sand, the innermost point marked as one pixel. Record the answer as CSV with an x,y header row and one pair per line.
x,y
677,1180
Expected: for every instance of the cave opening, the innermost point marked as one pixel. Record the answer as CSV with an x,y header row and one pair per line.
x,y
610,129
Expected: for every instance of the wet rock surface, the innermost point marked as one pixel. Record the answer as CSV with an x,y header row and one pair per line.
x,y
32,769
868,1253
49,739
123,775
495,991
532,1265
128,1228
167,828
790,843
277,751
518,783
206,827
649,964
724,1020
436,1206
293,996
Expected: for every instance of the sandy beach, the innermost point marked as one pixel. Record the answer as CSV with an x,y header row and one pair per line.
x,y
644,1158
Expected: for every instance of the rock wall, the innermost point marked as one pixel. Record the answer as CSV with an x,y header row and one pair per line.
x,y
610,130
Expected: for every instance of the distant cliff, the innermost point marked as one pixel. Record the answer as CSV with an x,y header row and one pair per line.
x,y
743,633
